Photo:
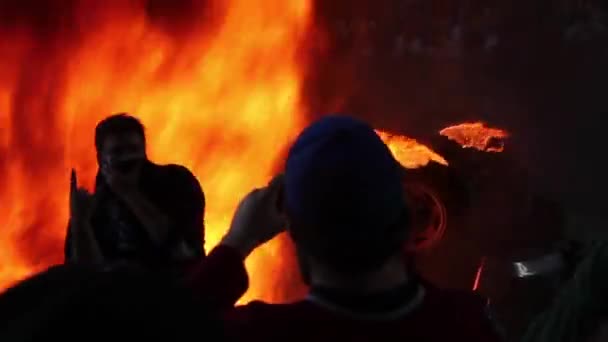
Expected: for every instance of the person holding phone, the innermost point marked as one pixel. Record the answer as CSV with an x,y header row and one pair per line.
x,y
341,201
140,213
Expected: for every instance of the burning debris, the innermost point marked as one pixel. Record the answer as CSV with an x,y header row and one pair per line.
x,y
426,187
410,153
476,135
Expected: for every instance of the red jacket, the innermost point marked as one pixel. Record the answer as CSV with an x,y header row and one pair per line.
x,y
432,315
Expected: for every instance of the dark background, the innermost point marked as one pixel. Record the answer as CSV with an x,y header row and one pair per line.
x,y
534,68
543,80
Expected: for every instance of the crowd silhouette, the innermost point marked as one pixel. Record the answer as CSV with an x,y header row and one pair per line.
x,y
135,267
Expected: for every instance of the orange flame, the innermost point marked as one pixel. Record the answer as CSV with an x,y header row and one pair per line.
x,y
476,135
222,104
410,153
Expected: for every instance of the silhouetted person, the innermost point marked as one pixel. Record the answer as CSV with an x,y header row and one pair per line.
x,y
579,313
140,213
345,210
79,303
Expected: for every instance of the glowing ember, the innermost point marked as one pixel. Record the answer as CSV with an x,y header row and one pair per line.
x,y
476,135
409,152
223,101
477,281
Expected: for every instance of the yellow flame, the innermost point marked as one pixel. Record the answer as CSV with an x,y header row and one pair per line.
x,y
224,104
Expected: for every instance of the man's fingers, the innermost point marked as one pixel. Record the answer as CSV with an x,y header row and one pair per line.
x,y
276,181
275,187
255,192
271,195
92,203
275,191
73,181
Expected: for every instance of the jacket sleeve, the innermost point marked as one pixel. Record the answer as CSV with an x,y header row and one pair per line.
x,y
219,280
186,210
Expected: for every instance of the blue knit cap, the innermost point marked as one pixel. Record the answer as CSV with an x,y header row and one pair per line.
x,y
340,175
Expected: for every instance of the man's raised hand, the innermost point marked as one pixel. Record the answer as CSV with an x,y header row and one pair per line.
x,y
81,200
258,218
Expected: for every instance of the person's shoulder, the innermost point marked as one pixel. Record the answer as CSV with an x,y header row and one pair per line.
x,y
259,320
174,171
459,301
468,309
260,311
261,307
175,176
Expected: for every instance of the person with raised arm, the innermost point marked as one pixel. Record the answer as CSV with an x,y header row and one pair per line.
x,y
140,213
341,200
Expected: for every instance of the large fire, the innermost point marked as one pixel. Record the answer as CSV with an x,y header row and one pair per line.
x,y
223,101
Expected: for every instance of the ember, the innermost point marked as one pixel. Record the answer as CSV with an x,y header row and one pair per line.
x,y
476,135
478,274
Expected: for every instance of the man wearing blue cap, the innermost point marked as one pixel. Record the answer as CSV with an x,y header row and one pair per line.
x,y
342,202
